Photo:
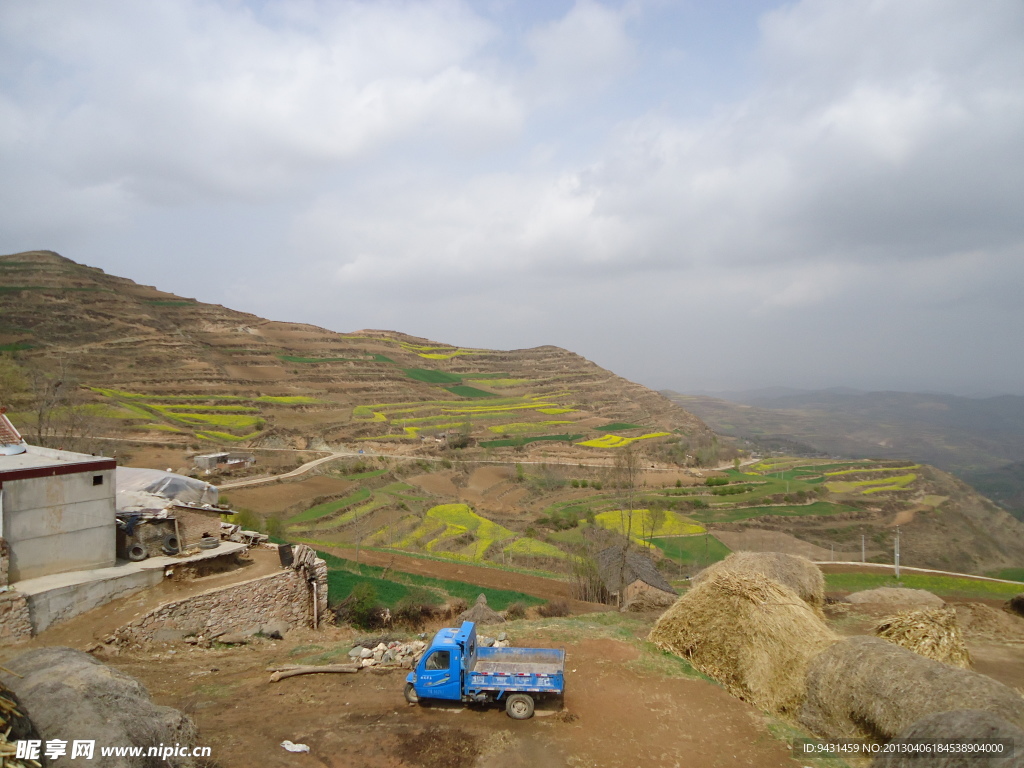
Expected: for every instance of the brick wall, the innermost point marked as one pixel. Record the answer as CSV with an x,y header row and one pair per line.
x,y
15,622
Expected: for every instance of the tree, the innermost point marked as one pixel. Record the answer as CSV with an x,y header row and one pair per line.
x,y
626,472
15,391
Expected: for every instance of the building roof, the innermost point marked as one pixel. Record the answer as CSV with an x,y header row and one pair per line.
x,y
9,436
35,461
638,567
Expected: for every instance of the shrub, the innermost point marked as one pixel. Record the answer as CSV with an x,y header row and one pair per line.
x,y
275,527
553,609
515,611
716,481
455,606
679,483
574,483
413,613
596,485
360,608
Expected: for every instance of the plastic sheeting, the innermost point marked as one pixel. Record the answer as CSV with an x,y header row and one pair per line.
x,y
152,489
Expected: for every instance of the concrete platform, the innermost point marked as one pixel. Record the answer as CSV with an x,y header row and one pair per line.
x,y
61,596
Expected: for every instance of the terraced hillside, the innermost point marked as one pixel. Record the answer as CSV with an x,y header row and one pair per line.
x,y
540,516
159,364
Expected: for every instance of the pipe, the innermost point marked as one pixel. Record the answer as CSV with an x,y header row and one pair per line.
x,y
316,603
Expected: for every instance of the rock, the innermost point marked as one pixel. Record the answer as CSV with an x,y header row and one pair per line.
x,y
275,629
365,653
251,631
356,653
169,635
500,644
486,642
378,656
369,662
502,637
68,695
388,657
233,638
380,647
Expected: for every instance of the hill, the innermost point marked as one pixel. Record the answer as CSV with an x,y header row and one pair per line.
x,y
510,458
158,364
978,439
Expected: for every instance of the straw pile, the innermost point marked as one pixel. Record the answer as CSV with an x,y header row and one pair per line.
x,y
965,724
749,633
865,687
798,573
929,632
481,613
13,726
897,596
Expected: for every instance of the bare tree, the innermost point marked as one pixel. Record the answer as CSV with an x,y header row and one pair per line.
x,y
62,416
626,471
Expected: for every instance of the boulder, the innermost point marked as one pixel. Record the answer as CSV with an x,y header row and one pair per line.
x,y
69,695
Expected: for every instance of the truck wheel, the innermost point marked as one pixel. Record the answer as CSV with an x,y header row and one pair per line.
x,y
410,694
519,706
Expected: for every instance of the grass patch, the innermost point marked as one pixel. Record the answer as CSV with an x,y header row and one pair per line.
x,y
616,426
329,507
16,346
1012,574
432,377
951,586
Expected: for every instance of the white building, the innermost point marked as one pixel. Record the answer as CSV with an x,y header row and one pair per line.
x,y
56,508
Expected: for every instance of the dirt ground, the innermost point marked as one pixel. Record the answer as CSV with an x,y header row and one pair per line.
x,y
275,497
615,712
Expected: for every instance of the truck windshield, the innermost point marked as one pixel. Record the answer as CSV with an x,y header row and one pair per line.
x,y
438,660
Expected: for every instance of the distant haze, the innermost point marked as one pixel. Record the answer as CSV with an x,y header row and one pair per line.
x,y
698,196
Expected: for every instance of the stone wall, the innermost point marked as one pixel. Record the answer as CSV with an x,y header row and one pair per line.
x,y
15,621
5,562
284,596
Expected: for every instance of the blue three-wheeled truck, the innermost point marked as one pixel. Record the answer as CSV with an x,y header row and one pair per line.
x,y
455,668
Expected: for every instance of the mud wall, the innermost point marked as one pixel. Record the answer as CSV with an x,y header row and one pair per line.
x,y
15,620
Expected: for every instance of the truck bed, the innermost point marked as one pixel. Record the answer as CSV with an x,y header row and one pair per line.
x,y
532,669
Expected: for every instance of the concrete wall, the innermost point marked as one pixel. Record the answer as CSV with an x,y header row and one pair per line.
x,y
65,602
59,524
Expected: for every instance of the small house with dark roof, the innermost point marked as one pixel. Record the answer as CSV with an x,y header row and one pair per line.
x,y
629,575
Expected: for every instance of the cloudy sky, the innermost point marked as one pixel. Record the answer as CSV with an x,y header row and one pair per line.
x,y
697,195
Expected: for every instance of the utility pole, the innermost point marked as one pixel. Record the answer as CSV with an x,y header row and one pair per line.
x,y
863,559
833,553
897,553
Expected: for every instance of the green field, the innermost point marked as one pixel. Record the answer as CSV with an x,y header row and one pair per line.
x,y
945,586
329,507
343,575
1013,574
432,377
719,515
692,551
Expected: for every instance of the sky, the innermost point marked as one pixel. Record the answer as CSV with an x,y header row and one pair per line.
x,y
695,195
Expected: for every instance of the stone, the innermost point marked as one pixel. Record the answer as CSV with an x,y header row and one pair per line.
x,y
502,637
232,638
369,662
365,653
68,695
486,642
356,653
275,629
169,635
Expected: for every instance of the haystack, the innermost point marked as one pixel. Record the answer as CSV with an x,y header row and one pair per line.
x,y
797,573
983,622
480,613
749,633
1015,605
963,724
897,596
865,687
929,632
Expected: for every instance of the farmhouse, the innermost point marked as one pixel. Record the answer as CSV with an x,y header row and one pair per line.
x,y
223,460
631,577
56,508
